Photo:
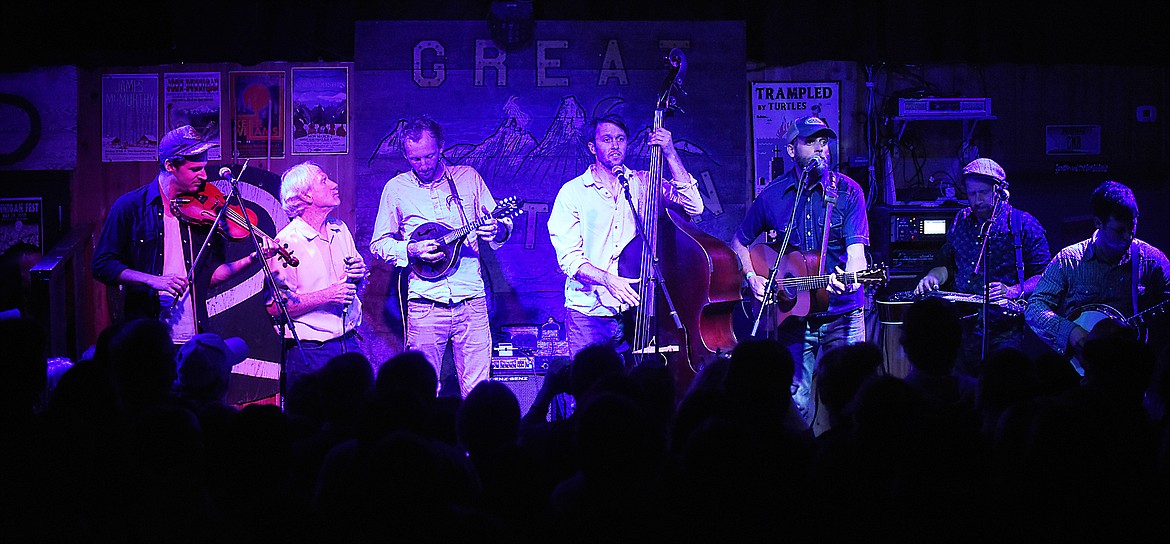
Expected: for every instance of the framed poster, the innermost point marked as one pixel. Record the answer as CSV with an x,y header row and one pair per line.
x,y
20,222
257,102
129,117
320,111
775,104
193,98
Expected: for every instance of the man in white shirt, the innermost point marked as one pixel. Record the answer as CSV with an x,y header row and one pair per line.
x,y
321,292
591,222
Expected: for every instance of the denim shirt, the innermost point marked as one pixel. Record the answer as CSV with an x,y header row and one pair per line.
x,y
132,238
849,225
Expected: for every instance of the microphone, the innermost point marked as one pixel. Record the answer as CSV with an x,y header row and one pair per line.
x,y
1002,189
349,259
620,172
816,162
226,173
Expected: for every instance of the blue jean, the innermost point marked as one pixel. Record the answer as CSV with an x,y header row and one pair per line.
x,y
584,330
313,355
431,325
808,340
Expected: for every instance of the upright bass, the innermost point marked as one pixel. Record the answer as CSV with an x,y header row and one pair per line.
x,y
690,280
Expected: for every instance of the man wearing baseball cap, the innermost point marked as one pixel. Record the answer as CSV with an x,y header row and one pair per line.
x,y
798,203
146,249
1017,251
204,367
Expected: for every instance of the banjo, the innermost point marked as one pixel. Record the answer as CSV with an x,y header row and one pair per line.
x,y
1090,316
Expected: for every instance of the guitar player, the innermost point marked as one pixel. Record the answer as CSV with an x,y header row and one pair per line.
x,y
451,308
840,244
1112,268
1016,253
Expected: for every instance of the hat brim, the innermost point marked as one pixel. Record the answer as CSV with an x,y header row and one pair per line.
x,y
827,131
196,149
237,350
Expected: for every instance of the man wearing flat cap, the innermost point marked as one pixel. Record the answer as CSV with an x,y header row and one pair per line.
x,y
798,203
1017,251
147,250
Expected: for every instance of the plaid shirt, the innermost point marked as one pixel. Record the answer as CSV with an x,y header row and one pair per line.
x,y
1078,276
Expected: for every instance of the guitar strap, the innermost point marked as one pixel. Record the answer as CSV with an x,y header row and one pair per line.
x,y
830,201
1135,264
455,194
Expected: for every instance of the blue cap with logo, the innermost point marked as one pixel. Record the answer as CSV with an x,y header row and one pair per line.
x,y
806,127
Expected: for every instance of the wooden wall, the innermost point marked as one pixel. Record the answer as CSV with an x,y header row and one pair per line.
x,y
1025,99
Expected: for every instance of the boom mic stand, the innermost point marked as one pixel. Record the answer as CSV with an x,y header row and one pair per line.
x,y
981,266
658,278
284,317
770,288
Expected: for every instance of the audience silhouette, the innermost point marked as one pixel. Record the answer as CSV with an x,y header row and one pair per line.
x,y
136,442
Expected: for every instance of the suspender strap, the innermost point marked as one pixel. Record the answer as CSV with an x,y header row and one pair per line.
x,y
1015,225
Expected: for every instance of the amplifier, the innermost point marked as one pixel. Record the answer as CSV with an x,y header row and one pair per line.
x,y
944,108
513,365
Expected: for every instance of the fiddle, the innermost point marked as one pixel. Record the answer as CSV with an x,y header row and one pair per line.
x,y
202,208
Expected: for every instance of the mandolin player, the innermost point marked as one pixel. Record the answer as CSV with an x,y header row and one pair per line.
x,y
1009,242
452,306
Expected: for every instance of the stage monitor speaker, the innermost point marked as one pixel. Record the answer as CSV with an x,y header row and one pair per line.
x,y
524,386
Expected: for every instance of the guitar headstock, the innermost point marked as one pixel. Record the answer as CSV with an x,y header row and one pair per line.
x,y
877,274
508,208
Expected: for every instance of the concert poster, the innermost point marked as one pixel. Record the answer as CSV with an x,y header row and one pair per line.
x,y
193,98
20,221
257,102
129,117
320,111
774,106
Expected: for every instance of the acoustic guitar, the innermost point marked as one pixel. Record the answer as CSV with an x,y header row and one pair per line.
x,y
799,290
451,240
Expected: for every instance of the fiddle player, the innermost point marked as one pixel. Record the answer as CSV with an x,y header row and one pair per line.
x,y
1017,252
591,222
844,241
321,293
148,250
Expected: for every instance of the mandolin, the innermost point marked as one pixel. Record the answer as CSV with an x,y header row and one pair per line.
x,y
451,240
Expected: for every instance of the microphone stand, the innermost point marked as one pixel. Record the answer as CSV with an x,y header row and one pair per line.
x,y
981,268
206,241
658,278
284,317
769,297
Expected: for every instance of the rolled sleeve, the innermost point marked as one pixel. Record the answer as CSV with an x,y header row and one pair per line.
x,y
686,195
